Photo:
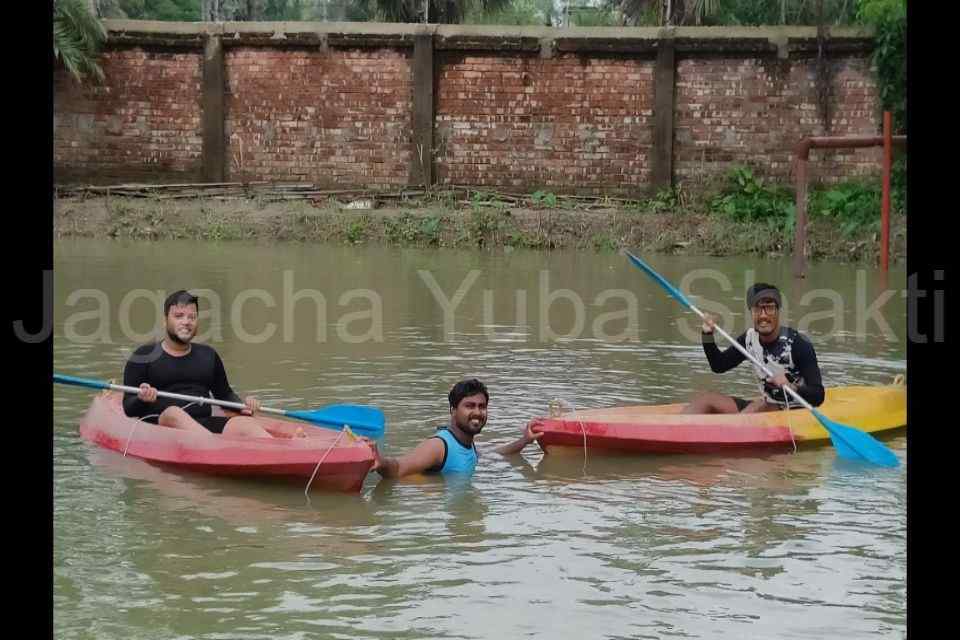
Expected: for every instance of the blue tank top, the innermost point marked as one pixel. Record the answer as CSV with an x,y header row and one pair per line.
x,y
457,458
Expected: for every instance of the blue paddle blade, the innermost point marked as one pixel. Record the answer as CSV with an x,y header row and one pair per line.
x,y
673,291
850,443
363,420
854,444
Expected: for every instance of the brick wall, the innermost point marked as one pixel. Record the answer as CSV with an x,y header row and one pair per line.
x,y
524,122
752,112
330,118
143,123
510,108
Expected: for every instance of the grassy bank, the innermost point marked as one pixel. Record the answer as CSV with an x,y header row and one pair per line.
x,y
748,219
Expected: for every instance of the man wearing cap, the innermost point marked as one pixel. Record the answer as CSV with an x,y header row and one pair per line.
x,y
451,449
176,365
787,353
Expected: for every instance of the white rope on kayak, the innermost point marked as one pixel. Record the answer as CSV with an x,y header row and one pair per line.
x,y
306,491
583,429
142,419
786,397
134,428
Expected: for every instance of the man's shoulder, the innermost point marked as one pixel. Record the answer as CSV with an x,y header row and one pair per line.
x,y
441,433
203,351
202,348
796,337
147,349
145,354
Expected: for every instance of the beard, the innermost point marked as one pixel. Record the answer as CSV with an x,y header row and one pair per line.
x,y
766,329
468,427
175,339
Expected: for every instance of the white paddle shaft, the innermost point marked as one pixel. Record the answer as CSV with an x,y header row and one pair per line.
x,y
199,399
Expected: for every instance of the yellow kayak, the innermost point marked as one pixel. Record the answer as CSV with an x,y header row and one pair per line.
x,y
664,429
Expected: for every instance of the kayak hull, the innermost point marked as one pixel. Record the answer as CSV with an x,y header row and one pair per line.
x,y
664,429
339,460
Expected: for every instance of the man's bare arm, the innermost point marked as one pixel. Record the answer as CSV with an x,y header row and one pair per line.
x,y
427,454
531,433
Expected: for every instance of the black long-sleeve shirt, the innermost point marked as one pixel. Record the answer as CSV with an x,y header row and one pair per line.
x,y
804,357
198,373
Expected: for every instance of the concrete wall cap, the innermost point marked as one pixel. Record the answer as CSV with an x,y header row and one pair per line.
x,y
774,34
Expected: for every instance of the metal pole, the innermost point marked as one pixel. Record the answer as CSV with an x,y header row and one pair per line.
x,y
802,154
885,198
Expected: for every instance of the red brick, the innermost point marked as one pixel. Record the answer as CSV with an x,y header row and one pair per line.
x,y
502,118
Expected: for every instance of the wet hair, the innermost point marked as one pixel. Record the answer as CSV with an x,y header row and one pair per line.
x,y
762,290
466,388
181,297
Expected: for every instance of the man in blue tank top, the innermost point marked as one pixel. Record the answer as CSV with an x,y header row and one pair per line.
x,y
785,351
452,449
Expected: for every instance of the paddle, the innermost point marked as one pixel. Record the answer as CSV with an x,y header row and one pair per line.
x,y
364,420
850,443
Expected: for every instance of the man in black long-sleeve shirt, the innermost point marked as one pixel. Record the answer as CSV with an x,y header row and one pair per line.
x,y
783,350
176,365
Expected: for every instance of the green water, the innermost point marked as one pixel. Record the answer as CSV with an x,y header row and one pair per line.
x,y
773,546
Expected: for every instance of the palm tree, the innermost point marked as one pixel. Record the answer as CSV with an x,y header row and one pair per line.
x,y
77,36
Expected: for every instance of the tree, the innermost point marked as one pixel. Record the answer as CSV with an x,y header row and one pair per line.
x,y
341,11
175,10
213,10
282,10
889,19
440,11
734,12
519,12
110,9
77,37
250,10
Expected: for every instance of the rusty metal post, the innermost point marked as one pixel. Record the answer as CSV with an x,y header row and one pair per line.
x,y
885,198
802,151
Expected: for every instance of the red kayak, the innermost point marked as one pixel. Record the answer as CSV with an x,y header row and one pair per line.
x,y
664,429
344,460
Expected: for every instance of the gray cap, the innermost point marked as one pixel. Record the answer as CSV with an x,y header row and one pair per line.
x,y
761,290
